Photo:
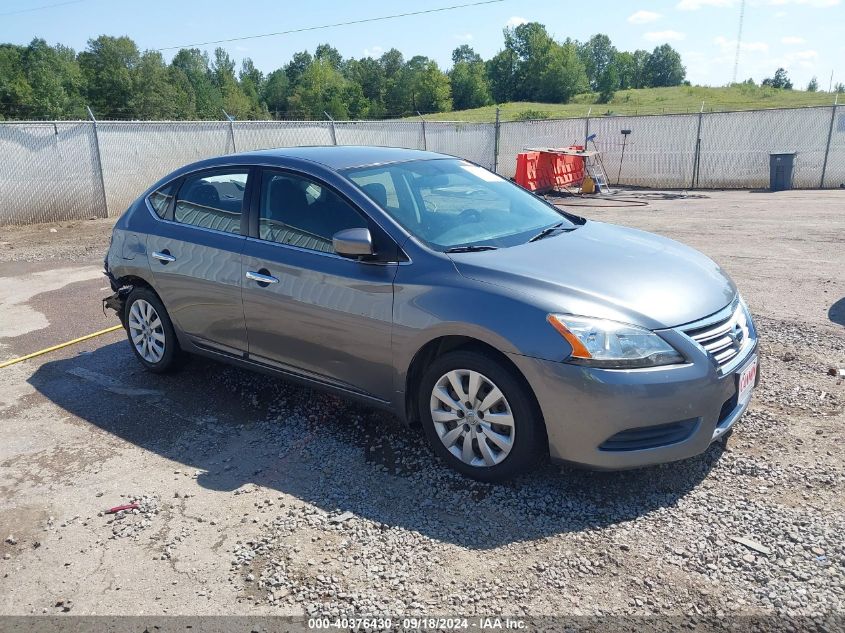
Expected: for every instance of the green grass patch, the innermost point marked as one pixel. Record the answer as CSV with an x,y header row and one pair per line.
x,y
679,99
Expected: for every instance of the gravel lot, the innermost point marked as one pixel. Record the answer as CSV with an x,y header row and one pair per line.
x,y
257,497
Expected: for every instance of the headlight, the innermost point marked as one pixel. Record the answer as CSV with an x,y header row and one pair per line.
x,y
602,343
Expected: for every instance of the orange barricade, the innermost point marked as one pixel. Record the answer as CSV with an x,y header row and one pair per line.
x,y
543,171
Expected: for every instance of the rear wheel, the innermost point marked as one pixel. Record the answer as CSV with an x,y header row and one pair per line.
x,y
479,417
150,331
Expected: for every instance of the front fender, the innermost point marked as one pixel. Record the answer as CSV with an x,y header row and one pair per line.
x,y
426,308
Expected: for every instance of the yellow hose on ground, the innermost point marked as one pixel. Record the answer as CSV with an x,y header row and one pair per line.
x,y
59,346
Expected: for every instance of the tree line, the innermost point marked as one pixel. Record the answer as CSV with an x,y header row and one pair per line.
x,y
118,81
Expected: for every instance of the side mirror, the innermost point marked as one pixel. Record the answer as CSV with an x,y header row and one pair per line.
x,y
353,243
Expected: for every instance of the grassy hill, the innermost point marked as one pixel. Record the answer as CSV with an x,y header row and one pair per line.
x,y
649,101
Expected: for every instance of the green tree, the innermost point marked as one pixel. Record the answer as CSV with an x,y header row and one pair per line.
x,y
780,80
392,62
330,54
275,92
599,55
236,103
108,66
664,68
631,68
607,84
55,79
153,95
194,65
534,49
430,90
465,53
251,80
565,75
813,86
15,91
501,75
839,88
297,66
321,88
397,88
468,79
369,74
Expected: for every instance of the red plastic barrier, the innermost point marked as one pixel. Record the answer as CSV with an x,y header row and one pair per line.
x,y
545,171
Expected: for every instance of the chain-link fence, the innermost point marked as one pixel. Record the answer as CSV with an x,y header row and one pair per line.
x,y
72,170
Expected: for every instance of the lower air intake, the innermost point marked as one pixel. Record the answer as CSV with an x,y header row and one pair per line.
x,y
645,437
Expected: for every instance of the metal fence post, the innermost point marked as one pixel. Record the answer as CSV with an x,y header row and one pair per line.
x,y
99,160
587,126
696,159
829,136
425,141
496,142
231,130
334,134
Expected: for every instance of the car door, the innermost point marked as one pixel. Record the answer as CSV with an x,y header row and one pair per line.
x,y
315,313
195,258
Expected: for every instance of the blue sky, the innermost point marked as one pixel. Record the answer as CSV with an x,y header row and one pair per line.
x,y
804,36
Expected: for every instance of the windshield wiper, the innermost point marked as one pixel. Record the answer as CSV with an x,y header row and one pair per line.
x,y
549,230
471,248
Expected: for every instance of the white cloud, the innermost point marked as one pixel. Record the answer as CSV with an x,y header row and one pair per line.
x,y
375,51
516,21
664,36
695,5
780,14
464,37
818,4
792,39
643,17
728,46
806,55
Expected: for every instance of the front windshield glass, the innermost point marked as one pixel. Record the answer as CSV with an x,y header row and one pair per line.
x,y
450,203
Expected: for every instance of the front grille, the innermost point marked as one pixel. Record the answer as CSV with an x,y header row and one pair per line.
x,y
644,437
722,336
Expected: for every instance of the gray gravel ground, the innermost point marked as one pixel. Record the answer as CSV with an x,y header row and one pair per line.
x,y
257,497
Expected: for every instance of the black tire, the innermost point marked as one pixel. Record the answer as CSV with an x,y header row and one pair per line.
x,y
173,355
529,441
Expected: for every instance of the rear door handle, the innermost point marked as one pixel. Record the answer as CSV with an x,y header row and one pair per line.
x,y
164,257
261,278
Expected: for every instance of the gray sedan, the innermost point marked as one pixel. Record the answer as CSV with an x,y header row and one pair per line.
x,y
422,283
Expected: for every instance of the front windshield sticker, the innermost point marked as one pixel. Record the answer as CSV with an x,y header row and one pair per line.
x,y
481,173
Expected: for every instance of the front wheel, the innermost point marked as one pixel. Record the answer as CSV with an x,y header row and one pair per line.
x,y
479,417
150,331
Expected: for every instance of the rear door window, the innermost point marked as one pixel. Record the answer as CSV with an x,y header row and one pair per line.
x,y
212,200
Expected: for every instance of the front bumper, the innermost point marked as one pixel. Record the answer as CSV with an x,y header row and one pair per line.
x,y
616,419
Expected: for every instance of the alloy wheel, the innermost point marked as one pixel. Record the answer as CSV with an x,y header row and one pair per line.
x,y
146,331
472,418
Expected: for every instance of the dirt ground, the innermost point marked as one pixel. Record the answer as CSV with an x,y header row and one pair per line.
x,y
258,497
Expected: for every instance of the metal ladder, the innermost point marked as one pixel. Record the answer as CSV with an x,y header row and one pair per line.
x,y
594,166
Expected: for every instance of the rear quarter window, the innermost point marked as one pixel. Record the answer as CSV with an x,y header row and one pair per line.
x,y
160,199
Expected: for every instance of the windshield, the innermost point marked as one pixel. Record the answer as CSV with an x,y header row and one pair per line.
x,y
450,203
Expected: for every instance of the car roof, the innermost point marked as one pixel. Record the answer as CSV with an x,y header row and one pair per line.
x,y
339,157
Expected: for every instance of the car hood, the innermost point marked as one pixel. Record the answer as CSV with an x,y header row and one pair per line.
x,y
607,271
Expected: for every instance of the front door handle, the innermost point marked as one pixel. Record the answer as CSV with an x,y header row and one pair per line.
x,y
164,257
263,279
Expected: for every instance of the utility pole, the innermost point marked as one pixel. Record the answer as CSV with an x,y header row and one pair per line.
x,y
738,40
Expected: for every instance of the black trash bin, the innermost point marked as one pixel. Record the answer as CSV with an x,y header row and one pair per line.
x,y
781,167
